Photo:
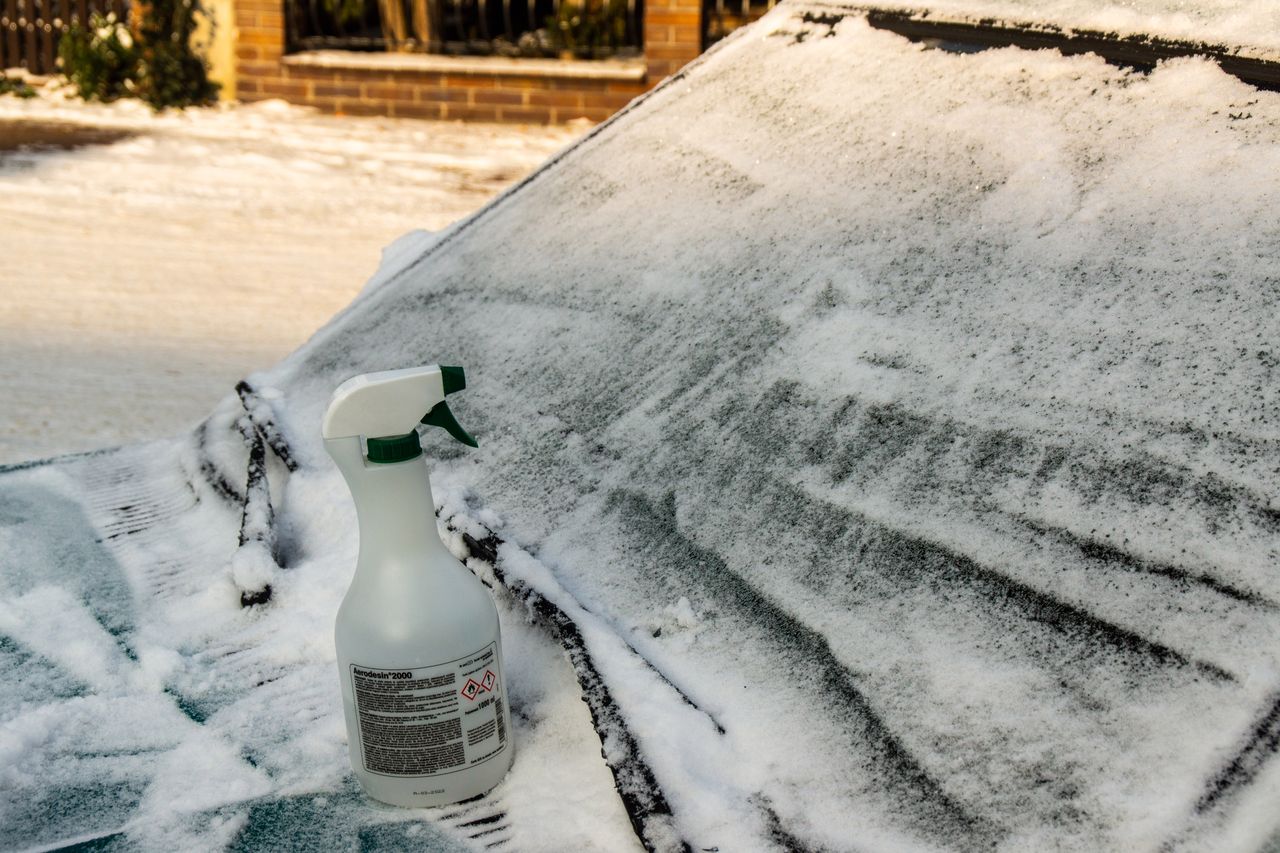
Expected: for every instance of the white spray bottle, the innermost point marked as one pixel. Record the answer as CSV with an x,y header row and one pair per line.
x,y
419,653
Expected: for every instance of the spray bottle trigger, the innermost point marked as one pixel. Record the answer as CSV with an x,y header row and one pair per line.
x,y
441,416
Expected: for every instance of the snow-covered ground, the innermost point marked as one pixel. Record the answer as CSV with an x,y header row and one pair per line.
x,y
140,280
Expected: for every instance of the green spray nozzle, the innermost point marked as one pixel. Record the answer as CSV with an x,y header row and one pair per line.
x,y
385,407
453,379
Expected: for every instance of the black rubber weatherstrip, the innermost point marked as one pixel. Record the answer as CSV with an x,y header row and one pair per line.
x,y
641,796
1136,51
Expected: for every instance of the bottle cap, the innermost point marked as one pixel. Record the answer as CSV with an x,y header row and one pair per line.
x,y
395,448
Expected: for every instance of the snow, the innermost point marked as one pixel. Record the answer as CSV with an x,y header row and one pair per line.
x,y
142,278
1249,27
883,466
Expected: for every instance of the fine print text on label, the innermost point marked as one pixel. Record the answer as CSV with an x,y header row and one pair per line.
x,y
430,720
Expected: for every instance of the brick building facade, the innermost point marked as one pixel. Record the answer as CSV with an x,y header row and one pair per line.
x,y
457,87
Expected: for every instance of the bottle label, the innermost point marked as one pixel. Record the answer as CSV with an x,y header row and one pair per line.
x,y
431,720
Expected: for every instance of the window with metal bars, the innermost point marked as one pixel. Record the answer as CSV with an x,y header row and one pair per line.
x,y
722,17
578,29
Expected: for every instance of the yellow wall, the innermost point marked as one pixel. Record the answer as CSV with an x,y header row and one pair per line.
x,y
215,38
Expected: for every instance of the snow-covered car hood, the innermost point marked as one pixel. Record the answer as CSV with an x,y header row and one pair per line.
x,y
878,452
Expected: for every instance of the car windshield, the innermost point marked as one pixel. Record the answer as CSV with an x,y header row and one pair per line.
x,y
878,451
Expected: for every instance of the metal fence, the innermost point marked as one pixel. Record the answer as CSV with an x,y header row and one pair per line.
x,y
721,17
582,29
30,29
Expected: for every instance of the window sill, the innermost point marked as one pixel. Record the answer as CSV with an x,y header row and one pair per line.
x,y
622,70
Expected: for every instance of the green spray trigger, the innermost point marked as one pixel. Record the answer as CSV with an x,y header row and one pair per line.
x,y
441,416
454,380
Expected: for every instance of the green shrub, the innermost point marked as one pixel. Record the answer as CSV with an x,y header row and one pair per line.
x,y
101,61
15,87
171,73
153,61
588,28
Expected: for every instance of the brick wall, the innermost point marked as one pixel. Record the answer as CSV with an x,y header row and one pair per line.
x,y
454,87
672,35
259,44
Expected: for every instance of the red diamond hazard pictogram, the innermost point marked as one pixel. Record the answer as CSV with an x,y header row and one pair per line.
x,y
488,680
470,689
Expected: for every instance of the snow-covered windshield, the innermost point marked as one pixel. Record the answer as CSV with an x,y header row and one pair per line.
x,y
881,441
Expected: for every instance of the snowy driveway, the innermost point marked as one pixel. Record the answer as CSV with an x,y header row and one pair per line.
x,y
143,278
